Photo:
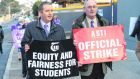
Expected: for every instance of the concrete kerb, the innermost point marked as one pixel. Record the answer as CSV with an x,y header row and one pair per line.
x,y
8,66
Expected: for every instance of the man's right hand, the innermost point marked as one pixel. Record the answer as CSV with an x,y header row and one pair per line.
x,y
27,47
75,42
79,64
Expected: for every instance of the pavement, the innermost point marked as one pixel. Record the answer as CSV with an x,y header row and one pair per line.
x,y
13,68
126,69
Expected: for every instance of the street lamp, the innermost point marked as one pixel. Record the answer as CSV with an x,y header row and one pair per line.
x,y
112,4
9,10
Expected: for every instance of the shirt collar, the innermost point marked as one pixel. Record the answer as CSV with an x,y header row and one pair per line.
x,y
43,23
89,20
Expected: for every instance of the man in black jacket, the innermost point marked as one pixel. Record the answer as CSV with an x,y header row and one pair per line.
x,y
1,38
136,32
44,29
90,19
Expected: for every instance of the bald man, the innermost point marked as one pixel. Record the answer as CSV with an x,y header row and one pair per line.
x,y
90,19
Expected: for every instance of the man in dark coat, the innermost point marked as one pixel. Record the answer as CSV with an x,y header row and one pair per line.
x,y
1,38
136,32
44,29
90,19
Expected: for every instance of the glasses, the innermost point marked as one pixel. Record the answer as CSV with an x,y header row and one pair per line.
x,y
90,7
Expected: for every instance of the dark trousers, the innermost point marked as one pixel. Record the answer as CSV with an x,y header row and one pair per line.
x,y
24,61
97,72
1,47
138,50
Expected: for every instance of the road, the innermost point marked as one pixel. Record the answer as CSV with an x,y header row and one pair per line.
x,y
7,44
127,69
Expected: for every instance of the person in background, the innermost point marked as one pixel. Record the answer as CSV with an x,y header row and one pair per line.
x,y
24,59
56,20
90,19
17,34
136,32
23,54
1,39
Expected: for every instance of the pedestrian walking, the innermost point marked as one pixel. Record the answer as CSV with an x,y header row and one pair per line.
x,y
56,20
1,39
136,32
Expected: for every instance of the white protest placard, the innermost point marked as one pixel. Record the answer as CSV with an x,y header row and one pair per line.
x,y
132,24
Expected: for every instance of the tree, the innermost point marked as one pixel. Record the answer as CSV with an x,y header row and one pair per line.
x,y
35,8
15,8
4,6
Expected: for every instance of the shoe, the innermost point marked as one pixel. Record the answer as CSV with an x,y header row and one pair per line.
x,y
24,75
19,59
